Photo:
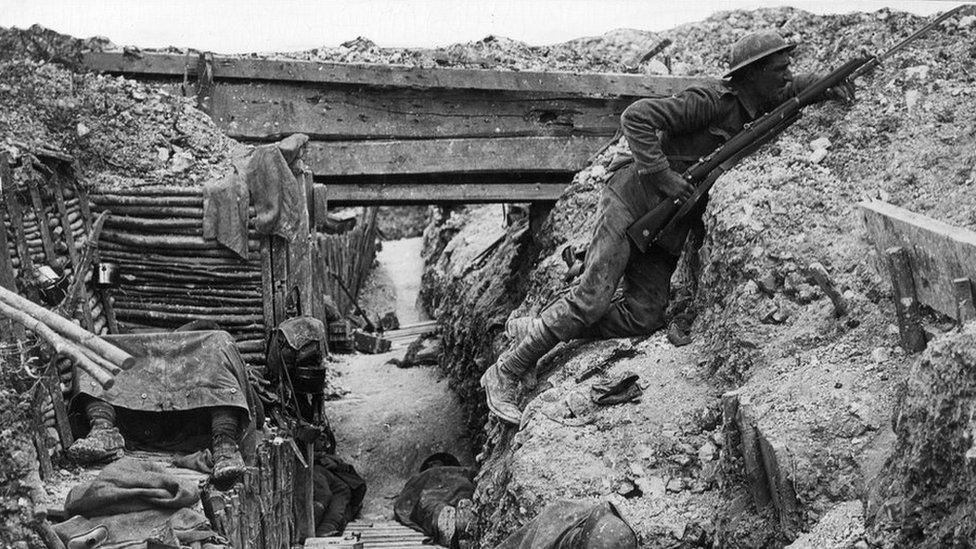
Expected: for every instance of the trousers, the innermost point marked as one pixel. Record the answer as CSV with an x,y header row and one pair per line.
x,y
591,309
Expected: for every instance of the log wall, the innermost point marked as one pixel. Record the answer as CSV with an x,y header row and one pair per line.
x,y
349,256
170,275
261,511
46,221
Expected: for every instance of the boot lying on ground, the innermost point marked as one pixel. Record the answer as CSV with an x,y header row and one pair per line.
x,y
101,444
228,464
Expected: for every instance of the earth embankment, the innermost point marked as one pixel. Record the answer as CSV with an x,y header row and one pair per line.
x,y
803,427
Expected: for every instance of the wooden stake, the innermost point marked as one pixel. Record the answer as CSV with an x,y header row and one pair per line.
x,y
53,384
41,218
906,300
965,303
40,430
822,278
304,515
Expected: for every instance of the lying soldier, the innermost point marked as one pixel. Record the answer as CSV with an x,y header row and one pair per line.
x,y
666,136
186,392
437,500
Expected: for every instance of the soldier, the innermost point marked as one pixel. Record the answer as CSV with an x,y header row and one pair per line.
x,y
666,136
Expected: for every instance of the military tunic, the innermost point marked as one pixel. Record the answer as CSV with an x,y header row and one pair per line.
x,y
663,133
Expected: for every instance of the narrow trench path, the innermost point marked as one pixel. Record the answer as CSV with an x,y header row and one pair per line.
x,y
393,418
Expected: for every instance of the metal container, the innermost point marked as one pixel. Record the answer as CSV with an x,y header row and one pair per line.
x,y
107,275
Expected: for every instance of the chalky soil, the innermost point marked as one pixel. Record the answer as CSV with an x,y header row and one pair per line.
x,y
393,418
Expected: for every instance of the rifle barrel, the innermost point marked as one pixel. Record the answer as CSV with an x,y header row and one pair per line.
x,y
877,59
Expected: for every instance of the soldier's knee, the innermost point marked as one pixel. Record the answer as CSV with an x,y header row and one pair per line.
x,y
649,319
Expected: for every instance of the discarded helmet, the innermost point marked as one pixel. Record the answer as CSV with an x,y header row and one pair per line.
x,y
753,47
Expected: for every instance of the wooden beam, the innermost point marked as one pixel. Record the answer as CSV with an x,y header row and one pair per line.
x,y
42,223
939,253
904,290
421,193
507,154
236,68
965,304
271,110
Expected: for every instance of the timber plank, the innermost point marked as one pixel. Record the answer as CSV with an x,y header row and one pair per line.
x,y
225,67
42,223
268,110
939,253
479,155
9,330
420,193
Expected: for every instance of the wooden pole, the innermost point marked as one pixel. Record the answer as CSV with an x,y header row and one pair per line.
x,y
61,345
906,300
820,275
68,329
303,497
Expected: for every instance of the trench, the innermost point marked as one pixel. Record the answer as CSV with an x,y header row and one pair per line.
x,y
393,418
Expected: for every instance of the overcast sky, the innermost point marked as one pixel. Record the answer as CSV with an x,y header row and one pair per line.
x,y
229,26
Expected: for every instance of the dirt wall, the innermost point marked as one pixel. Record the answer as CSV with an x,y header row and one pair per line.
x,y
803,426
923,497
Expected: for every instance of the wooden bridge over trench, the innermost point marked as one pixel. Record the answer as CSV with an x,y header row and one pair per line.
x,y
388,134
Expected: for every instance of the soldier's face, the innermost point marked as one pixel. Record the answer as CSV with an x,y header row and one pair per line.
x,y
772,77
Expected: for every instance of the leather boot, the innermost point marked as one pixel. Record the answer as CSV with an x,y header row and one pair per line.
x,y
501,379
103,443
227,462
517,328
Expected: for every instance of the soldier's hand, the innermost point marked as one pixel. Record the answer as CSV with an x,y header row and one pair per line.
x,y
843,92
672,184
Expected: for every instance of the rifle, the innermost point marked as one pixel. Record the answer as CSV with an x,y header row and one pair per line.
x,y
704,173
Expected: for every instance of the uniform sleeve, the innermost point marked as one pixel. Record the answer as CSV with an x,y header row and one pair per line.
x,y
800,82
690,110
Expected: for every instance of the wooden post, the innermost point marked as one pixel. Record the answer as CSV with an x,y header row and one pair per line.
x,y
538,213
41,218
906,300
965,303
215,508
304,516
16,216
235,528
279,271
252,507
40,430
53,385
205,82
8,328
266,498
822,278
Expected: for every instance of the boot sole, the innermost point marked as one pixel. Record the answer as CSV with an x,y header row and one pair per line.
x,y
492,406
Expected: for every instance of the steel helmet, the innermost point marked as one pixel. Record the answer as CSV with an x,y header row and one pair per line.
x,y
755,46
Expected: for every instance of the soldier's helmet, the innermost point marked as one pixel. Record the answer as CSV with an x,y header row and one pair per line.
x,y
753,47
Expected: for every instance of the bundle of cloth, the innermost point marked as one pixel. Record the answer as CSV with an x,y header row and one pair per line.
x,y
132,503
